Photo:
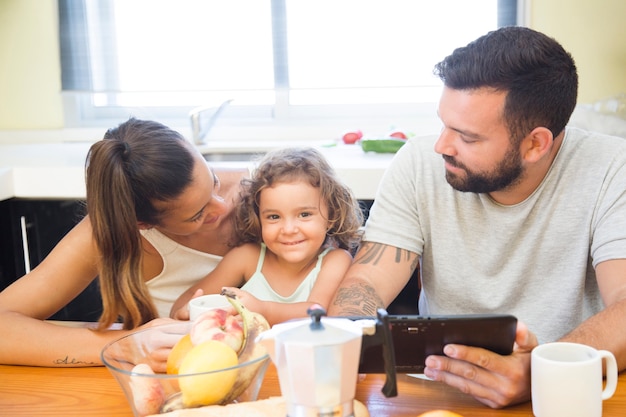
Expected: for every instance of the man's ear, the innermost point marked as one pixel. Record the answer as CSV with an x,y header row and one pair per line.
x,y
537,144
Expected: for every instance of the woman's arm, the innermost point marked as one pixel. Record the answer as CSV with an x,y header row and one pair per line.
x,y
65,272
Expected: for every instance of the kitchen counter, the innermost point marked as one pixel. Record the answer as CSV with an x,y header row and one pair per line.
x,y
56,170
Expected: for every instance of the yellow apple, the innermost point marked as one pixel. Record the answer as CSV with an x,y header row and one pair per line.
x,y
178,353
211,387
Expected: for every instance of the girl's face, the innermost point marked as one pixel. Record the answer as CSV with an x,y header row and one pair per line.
x,y
199,207
293,220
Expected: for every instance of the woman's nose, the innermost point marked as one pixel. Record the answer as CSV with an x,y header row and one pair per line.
x,y
218,205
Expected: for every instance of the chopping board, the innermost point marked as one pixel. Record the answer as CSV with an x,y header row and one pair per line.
x,y
271,407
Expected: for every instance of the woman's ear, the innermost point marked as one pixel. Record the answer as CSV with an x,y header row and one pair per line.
x,y
144,226
537,144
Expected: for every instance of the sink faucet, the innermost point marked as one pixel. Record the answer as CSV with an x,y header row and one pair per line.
x,y
200,126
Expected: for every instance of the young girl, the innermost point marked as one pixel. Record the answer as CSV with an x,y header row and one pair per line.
x,y
157,218
296,224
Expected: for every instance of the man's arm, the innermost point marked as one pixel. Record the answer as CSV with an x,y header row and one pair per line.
x,y
601,330
499,381
376,277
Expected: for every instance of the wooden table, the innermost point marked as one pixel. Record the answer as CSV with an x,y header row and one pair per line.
x,y
32,391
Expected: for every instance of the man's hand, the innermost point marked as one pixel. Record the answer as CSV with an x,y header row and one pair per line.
x,y
494,380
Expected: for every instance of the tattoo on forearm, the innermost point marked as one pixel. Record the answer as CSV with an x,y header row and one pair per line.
x,y
73,361
358,299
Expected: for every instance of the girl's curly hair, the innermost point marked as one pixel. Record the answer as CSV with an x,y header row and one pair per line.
x,y
285,165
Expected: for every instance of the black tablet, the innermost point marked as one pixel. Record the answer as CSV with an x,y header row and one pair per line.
x,y
416,337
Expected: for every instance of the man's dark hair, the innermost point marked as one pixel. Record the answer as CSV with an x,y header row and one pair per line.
x,y
538,75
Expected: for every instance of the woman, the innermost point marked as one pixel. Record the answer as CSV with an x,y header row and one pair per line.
x,y
158,220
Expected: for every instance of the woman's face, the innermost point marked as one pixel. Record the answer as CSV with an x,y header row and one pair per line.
x,y
198,208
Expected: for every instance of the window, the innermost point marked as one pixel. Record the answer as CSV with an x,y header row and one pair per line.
x,y
281,61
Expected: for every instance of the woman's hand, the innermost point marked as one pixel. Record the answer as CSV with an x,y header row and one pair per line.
x,y
494,380
157,357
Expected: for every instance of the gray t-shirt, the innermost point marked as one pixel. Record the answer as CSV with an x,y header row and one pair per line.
x,y
534,259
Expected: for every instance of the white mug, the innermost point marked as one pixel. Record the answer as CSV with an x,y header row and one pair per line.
x,y
204,303
566,380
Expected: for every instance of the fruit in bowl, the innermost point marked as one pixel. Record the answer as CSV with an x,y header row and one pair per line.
x,y
191,364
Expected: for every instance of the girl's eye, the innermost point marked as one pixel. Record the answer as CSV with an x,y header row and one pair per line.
x,y
272,217
305,214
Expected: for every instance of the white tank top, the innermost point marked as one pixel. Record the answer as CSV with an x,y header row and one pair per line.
x,y
182,268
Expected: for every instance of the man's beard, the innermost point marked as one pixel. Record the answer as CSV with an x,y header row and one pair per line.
x,y
507,173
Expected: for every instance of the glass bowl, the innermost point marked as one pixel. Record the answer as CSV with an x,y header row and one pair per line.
x,y
153,393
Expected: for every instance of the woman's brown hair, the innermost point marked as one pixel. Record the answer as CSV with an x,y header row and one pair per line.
x,y
135,164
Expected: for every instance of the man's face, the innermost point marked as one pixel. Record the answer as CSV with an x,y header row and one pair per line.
x,y
475,143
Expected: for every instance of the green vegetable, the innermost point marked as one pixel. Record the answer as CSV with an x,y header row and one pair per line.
x,y
382,145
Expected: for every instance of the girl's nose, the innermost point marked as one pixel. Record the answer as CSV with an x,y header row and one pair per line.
x,y
290,226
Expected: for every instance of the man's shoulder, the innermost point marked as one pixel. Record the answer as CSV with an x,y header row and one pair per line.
x,y
593,147
580,137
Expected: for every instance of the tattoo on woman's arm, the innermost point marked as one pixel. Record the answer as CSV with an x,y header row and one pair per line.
x,y
73,361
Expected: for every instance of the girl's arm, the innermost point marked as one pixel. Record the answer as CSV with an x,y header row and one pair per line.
x,y
334,266
25,304
231,271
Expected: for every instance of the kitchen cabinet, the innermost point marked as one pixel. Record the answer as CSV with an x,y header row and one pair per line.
x,y
30,229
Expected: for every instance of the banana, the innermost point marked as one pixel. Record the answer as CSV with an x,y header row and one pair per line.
x,y
253,325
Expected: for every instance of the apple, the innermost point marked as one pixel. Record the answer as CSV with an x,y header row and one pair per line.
x,y
148,394
218,324
352,137
398,134
178,353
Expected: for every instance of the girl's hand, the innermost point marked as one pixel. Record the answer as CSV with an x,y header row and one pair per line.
x,y
250,301
183,312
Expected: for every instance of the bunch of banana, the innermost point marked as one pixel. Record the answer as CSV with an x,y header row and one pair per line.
x,y
253,325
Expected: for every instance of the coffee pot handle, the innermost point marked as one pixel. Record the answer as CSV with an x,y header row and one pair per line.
x,y
383,329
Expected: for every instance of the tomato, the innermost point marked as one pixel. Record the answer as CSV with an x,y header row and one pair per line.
x,y
398,134
352,137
